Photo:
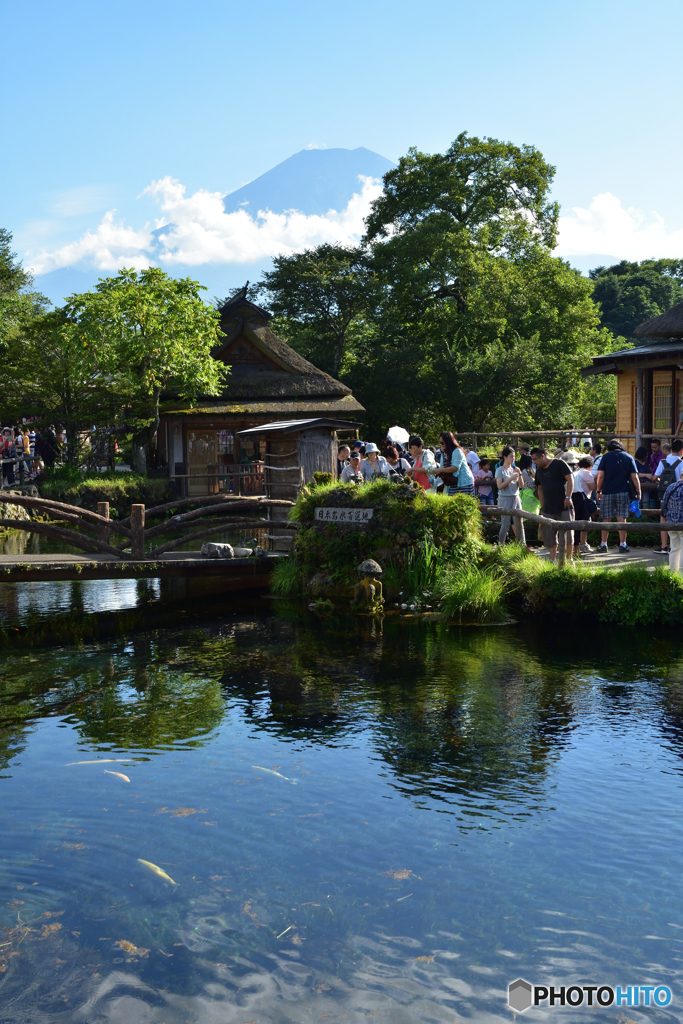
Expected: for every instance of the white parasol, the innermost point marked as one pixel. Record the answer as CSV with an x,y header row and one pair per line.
x,y
398,434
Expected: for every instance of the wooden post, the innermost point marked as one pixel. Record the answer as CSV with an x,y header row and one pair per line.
x,y
137,525
102,531
474,443
639,409
674,417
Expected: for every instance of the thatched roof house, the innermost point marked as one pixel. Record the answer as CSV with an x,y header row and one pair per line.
x,y
268,381
649,377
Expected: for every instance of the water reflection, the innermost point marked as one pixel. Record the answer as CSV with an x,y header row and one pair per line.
x,y
469,806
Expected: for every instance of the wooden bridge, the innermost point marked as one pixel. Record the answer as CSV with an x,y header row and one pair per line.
x,y
132,548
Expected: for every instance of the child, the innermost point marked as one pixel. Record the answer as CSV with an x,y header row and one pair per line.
x,y
483,479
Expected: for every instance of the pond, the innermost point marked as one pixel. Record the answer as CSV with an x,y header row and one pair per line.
x,y
349,821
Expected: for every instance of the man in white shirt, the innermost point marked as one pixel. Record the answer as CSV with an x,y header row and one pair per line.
x,y
596,456
472,458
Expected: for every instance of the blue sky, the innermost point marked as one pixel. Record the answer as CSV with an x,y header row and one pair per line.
x,y
102,100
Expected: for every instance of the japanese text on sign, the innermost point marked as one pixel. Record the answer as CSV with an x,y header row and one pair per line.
x,y
344,515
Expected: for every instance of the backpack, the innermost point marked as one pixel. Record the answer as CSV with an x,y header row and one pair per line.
x,y
667,477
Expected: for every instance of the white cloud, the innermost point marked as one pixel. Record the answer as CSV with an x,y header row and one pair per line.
x,y
607,227
196,229
200,231
110,246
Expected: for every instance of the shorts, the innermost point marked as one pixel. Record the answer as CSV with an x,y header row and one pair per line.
x,y
550,534
615,505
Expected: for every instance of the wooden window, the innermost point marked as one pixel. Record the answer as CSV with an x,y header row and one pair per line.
x,y
662,408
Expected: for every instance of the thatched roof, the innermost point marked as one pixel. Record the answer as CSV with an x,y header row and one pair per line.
x,y
345,406
263,365
666,325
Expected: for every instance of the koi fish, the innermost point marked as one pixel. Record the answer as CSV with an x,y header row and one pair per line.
x,y
119,775
271,771
102,760
159,872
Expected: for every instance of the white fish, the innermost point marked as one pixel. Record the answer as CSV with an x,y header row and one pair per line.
x,y
159,872
271,771
119,775
102,760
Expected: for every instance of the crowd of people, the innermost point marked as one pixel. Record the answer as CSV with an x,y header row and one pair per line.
x,y
567,485
25,452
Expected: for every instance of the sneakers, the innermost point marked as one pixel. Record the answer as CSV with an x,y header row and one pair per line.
x,y
602,548
586,549
624,547
662,551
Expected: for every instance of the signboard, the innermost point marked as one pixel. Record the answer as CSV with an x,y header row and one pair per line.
x,y
344,515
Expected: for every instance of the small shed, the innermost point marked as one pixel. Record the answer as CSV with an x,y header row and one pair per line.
x,y
294,451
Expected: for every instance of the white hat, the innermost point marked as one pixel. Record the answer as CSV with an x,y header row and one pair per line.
x,y
370,447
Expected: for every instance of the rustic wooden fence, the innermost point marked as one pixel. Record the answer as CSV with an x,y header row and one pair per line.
x,y
207,516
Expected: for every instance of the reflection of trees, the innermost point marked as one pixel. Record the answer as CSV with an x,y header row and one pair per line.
x,y
450,710
145,694
173,704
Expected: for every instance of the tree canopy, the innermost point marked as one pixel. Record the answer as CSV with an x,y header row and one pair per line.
x,y
631,293
461,316
152,333
323,296
18,301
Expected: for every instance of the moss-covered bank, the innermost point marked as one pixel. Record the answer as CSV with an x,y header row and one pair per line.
x,y
432,551
121,490
411,534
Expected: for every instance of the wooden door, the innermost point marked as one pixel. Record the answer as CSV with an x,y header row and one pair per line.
x,y
316,450
201,461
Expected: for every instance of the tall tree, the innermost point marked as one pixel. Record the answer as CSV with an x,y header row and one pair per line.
x,y
321,299
436,209
153,333
18,301
630,293
49,370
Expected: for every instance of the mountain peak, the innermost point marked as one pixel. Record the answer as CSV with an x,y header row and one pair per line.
x,y
312,181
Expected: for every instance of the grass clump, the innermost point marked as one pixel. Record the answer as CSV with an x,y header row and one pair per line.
x,y
286,578
471,593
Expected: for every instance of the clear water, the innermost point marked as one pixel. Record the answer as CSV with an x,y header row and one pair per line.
x,y
458,808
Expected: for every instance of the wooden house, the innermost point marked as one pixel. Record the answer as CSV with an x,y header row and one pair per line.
x,y
205,447
649,379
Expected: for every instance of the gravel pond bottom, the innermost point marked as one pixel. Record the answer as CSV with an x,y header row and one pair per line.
x,y
350,821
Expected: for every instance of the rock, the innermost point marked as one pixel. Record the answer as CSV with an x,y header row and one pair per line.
x,y
210,550
9,511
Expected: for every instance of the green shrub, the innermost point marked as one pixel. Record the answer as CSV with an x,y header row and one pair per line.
x,y
323,478
121,490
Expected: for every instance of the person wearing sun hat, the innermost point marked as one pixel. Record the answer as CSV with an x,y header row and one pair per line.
x,y
373,465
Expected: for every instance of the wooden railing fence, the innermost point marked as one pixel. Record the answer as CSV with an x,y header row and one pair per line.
x,y
212,514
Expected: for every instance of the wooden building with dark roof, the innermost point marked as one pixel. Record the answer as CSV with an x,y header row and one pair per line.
x,y
269,381
649,379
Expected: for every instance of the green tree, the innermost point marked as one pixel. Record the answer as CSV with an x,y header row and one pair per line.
x,y
49,370
321,299
153,334
489,328
630,293
18,302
